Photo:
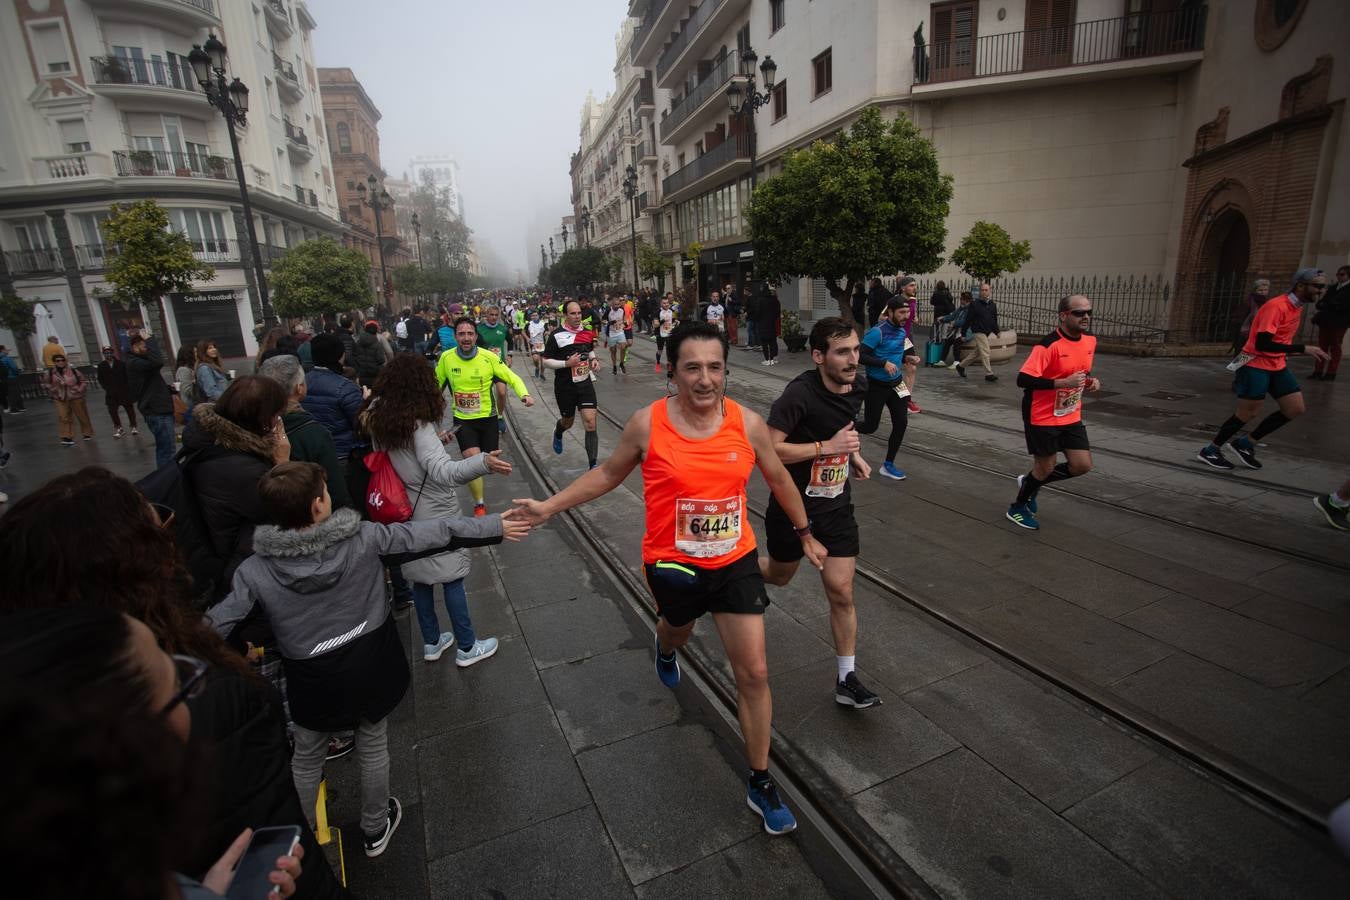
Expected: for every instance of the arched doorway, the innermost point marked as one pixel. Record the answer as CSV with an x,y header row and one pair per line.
x,y
1224,261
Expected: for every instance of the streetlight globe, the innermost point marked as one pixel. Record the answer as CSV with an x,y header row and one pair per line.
x,y
415,223
215,48
373,182
200,61
734,96
361,189
770,70
239,94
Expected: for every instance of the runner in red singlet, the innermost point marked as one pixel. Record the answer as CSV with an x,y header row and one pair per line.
x,y
697,450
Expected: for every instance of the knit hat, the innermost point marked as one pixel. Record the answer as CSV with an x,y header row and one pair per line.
x,y
907,279
1304,276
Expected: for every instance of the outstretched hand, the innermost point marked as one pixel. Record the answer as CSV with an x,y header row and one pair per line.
x,y
530,510
496,465
514,525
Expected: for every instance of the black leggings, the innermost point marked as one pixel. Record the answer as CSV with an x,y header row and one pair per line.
x,y
768,340
660,346
881,395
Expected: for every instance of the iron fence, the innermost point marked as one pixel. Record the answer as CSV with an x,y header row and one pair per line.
x,y
175,73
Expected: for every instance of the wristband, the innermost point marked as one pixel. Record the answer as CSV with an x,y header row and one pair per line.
x,y
808,525
804,530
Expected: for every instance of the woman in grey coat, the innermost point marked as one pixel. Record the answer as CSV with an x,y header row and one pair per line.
x,y
402,417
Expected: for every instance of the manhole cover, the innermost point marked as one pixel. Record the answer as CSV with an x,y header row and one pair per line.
x,y
1170,395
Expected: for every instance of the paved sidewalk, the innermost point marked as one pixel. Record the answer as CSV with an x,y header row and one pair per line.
x,y
984,780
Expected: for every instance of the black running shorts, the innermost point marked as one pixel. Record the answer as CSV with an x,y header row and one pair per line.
x,y
837,530
482,434
684,592
1048,440
573,395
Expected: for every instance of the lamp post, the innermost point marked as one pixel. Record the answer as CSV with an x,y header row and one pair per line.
x,y
630,186
553,257
564,237
584,220
378,200
417,231
208,67
436,242
745,100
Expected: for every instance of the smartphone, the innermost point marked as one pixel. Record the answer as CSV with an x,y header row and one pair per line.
x,y
260,859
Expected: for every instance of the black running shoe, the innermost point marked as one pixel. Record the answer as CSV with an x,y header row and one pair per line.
x,y
852,692
376,843
1246,452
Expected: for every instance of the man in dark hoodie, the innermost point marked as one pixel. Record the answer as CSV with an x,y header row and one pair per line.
x,y
152,396
346,334
318,577
369,354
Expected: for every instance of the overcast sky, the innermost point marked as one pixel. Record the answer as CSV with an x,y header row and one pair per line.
x,y
496,83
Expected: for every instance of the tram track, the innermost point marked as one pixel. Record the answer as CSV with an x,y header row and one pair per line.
x,y
1246,779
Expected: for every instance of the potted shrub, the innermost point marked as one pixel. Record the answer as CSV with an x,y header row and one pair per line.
x,y
218,166
792,332
144,160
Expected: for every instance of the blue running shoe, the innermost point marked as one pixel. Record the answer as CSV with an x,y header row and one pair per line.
x,y
1020,514
1213,456
667,667
1031,504
557,443
890,471
763,799
501,425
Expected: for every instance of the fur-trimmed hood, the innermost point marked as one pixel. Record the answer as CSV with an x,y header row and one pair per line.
x,y
209,426
305,560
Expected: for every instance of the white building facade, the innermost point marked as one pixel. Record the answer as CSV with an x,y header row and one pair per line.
x,y
98,105
1176,140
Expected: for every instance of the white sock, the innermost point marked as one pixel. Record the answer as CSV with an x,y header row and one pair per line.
x,y
845,666
1338,501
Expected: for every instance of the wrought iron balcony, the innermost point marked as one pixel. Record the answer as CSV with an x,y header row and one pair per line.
x,y
171,163
646,95
732,150
155,73
688,31
34,261
710,87
1080,44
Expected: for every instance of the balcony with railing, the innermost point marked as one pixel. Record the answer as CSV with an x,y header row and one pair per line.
x,y
71,165
696,34
37,261
297,142
278,19
313,198
193,13
641,201
647,31
288,83
171,163
709,95
645,98
729,158
1132,44
170,82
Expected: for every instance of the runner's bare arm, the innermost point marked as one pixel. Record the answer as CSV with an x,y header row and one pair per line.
x,y
603,478
845,440
780,482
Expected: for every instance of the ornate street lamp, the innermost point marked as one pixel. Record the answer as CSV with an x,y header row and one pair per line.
x,y
378,200
552,255
745,100
630,186
209,64
564,237
417,230
584,220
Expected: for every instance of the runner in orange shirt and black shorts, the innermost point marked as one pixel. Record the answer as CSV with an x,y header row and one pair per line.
x,y
1262,368
697,450
1056,373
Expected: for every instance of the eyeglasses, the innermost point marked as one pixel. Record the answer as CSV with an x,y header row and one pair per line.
x,y
163,514
1079,313
191,673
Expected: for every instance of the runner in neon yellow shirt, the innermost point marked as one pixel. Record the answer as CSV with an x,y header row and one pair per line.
x,y
469,372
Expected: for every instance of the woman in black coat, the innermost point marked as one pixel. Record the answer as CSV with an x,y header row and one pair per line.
x,y
1332,320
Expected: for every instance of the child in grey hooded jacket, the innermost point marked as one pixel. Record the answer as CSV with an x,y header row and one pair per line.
x,y
318,576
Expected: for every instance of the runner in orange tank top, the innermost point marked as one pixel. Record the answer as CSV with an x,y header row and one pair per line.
x,y
696,450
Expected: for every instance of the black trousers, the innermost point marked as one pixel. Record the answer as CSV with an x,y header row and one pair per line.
x,y
881,395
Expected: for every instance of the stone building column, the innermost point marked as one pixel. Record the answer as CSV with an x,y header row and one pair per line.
x,y
79,300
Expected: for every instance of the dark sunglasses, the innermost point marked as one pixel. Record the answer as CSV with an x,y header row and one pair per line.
x,y
191,674
1079,313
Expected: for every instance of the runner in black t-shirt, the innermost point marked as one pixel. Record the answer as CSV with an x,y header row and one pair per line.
x,y
570,352
813,432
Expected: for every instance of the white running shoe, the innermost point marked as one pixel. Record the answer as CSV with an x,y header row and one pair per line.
x,y
480,651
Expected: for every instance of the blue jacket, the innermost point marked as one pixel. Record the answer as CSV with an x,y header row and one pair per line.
x,y
334,402
958,318
212,382
8,368
446,335
886,343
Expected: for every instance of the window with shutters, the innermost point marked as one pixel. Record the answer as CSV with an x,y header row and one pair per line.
x,y
344,138
74,136
822,68
953,54
1048,41
52,49
777,15
779,100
